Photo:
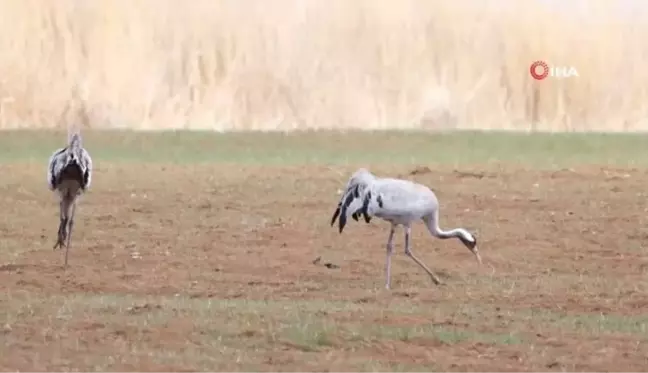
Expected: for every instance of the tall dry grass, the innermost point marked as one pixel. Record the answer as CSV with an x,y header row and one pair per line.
x,y
304,64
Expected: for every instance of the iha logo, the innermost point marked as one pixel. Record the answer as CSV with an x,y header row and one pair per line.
x,y
540,70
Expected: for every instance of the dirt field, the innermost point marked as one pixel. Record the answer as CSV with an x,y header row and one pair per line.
x,y
209,266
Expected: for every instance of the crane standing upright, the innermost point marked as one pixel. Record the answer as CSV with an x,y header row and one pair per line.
x,y
69,172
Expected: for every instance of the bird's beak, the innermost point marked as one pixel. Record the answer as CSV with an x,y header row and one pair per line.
x,y
476,252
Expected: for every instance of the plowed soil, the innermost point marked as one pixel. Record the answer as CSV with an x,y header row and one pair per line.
x,y
213,267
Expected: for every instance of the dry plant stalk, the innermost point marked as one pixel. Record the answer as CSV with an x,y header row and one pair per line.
x,y
295,64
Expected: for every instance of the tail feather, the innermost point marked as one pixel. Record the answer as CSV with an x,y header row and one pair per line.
x,y
336,213
356,184
344,214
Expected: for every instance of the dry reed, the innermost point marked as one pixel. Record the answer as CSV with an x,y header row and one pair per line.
x,y
306,64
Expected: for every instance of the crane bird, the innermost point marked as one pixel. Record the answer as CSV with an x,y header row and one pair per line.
x,y
400,202
69,173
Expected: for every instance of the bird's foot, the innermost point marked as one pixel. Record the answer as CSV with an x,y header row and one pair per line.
x,y
60,242
437,281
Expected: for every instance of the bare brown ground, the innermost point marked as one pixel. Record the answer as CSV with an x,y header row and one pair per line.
x,y
210,268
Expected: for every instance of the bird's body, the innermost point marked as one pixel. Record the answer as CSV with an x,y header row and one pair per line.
x,y
400,202
69,181
70,168
69,173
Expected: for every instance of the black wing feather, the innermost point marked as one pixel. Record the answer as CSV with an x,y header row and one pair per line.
x,y
345,204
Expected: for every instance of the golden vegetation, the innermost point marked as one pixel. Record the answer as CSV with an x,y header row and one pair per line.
x,y
303,64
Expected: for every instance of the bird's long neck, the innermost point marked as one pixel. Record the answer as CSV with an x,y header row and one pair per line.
x,y
433,226
74,139
457,232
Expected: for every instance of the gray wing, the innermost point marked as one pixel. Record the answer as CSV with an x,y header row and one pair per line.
x,y
54,167
86,168
401,198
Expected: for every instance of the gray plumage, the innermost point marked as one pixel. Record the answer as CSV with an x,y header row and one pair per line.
x,y
400,202
69,173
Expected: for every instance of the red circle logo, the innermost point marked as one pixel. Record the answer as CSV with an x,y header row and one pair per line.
x,y
535,66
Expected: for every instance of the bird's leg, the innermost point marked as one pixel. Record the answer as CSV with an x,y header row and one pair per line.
x,y
390,250
61,234
69,231
408,252
62,226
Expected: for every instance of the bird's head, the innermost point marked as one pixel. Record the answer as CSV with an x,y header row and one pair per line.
x,y
470,241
